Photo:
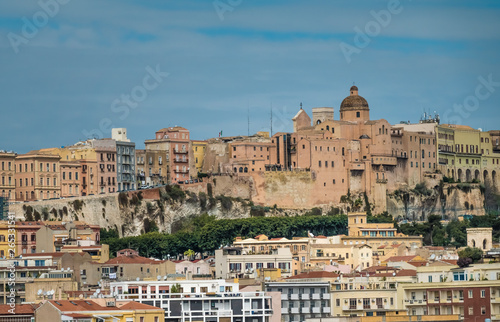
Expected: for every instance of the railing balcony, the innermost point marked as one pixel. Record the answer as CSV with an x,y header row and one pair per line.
x,y
181,160
181,151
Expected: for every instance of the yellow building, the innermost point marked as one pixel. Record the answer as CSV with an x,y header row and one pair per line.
x,y
376,234
467,154
4,239
199,148
102,310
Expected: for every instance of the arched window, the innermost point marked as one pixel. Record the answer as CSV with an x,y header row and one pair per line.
x,y
318,122
241,169
484,244
246,170
358,114
328,128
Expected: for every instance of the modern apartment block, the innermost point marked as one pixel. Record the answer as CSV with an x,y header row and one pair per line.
x,y
125,160
302,300
201,300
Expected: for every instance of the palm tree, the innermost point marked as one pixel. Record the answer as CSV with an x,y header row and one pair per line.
x,y
189,254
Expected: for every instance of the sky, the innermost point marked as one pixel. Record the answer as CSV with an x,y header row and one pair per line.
x,y
73,69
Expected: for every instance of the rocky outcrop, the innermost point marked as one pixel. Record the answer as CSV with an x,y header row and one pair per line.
x,y
447,200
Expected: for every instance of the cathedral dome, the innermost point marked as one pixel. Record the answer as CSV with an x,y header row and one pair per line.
x,y
354,102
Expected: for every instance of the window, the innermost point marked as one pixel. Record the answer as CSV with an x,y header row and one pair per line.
x,y
471,310
483,294
470,294
483,310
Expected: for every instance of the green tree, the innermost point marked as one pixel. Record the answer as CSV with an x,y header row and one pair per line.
x,y
474,254
189,254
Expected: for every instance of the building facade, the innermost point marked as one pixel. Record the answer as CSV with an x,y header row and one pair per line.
x,y
125,160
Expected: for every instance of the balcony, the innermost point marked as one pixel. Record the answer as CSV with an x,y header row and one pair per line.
x,y
181,151
316,296
181,170
325,296
284,297
294,296
284,310
304,296
294,310
176,160
305,310
316,310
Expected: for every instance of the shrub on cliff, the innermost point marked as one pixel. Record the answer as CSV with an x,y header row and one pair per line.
x,y
123,199
226,202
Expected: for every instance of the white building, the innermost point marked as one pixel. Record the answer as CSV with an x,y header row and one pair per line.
x,y
235,262
302,300
199,300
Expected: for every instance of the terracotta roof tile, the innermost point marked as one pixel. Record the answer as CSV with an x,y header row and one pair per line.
x,y
314,274
19,309
132,305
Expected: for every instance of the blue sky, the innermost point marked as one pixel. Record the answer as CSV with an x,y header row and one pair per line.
x,y
62,80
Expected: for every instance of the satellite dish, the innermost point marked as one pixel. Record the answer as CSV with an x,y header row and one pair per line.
x,y
98,291
68,269
80,296
138,279
39,292
158,277
165,277
52,292
20,256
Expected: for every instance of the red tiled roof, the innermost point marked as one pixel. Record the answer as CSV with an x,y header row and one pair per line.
x,y
450,261
418,263
79,305
314,274
400,258
132,260
19,309
133,305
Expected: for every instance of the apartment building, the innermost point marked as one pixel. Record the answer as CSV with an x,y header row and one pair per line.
x,y
203,300
467,154
262,244
53,236
198,147
415,147
37,176
302,300
95,310
125,160
70,178
126,266
7,174
167,156
234,262
376,234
